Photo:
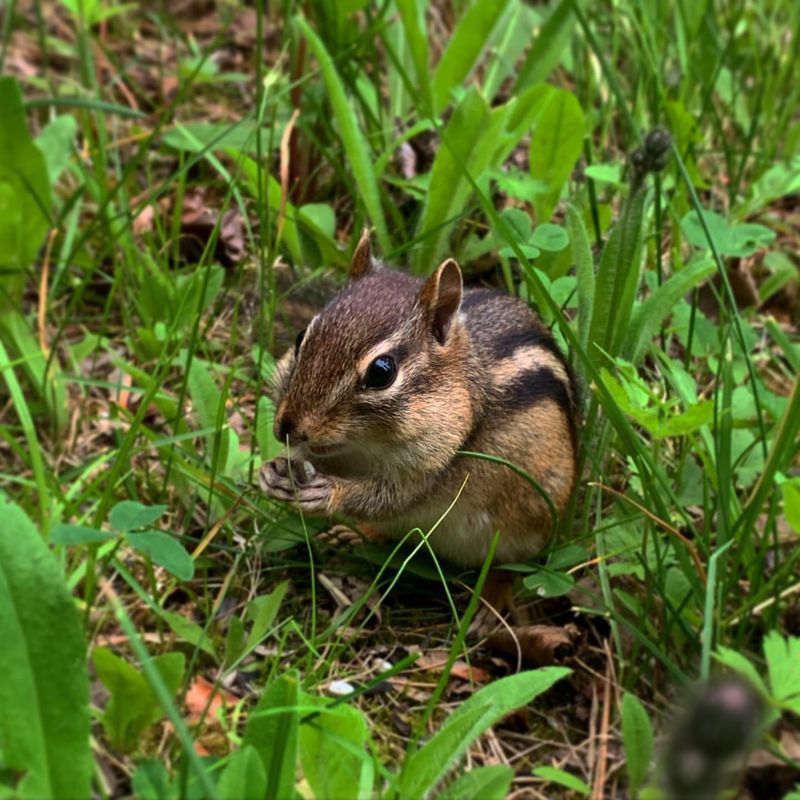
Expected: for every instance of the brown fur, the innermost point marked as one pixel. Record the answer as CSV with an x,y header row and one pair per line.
x,y
476,370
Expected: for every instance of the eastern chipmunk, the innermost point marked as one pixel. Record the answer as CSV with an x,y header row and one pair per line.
x,y
395,376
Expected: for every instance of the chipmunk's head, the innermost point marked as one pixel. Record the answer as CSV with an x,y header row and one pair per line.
x,y
379,372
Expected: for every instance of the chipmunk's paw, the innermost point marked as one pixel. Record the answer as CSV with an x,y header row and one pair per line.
x,y
340,535
297,483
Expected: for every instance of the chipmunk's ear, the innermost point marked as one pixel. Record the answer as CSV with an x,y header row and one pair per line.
x,y
362,261
440,297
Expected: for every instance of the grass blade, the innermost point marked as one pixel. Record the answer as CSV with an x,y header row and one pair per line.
x,y
412,15
547,47
359,154
464,49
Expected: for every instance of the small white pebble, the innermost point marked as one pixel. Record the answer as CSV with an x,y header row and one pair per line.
x,y
381,665
340,688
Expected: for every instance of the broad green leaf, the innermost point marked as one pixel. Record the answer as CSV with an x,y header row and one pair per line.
x,y
519,222
426,767
263,610
553,580
556,144
206,396
333,751
234,641
782,272
695,417
649,317
44,691
528,250
320,216
189,631
151,781
165,550
356,147
192,294
783,665
92,12
563,778
547,583
57,143
605,173
78,534
790,490
243,778
468,143
463,51
274,735
779,180
133,706
517,183
237,459
552,238
525,109
288,532
270,192
128,515
16,330
196,137
24,189
637,739
729,240
618,277
486,783
749,237
718,229
547,47
567,556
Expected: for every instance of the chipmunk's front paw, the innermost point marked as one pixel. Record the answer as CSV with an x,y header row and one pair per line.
x,y
297,483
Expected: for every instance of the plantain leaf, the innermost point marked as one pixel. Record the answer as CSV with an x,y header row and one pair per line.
x,y
637,738
556,144
44,693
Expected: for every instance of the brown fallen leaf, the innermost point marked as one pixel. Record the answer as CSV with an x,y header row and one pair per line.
x,y
539,645
143,221
469,672
203,701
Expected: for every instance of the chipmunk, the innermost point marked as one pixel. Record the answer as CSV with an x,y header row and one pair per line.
x,y
392,379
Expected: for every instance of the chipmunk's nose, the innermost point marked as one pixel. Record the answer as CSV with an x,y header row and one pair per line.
x,y
284,427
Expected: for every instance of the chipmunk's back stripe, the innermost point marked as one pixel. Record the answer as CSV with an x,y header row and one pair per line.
x,y
509,343
535,386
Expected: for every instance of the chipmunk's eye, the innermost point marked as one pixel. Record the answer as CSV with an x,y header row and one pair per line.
x,y
298,341
380,373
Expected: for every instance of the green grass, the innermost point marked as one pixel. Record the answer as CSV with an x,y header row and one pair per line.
x,y
179,183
